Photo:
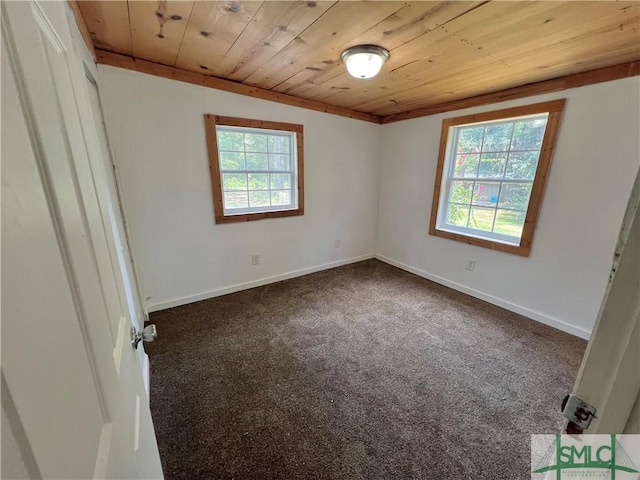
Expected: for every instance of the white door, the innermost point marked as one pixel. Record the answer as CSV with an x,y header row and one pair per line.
x,y
75,384
609,377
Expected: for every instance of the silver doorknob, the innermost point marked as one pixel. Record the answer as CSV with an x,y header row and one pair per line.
x,y
148,334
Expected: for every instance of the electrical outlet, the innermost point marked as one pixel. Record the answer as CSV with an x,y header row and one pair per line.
x,y
471,265
255,259
337,243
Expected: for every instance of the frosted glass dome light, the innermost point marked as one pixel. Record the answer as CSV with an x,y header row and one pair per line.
x,y
365,61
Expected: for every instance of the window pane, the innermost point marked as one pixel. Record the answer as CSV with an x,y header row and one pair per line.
x,y
492,165
230,141
281,197
257,161
278,144
278,162
466,165
522,165
528,134
515,195
236,200
486,194
254,142
481,218
457,215
231,161
259,199
234,181
470,139
258,181
280,181
497,138
509,223
461,192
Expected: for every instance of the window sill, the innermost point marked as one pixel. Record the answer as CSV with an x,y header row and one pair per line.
x,y
521,250
248,217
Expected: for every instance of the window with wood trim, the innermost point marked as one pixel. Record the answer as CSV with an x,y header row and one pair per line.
x,y
256,168
491,174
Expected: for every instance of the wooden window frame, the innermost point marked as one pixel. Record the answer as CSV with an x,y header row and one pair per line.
x,y
211,121
554,109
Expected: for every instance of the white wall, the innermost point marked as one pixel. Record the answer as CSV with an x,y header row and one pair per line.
x,y
563,281
156,128
353,170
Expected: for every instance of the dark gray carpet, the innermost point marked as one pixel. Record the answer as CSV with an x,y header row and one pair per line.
x,y
360,372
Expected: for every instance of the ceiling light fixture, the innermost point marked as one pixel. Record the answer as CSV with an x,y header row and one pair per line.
x,y
365,61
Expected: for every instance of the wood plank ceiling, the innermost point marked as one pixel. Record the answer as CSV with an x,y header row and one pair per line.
x,y
441,52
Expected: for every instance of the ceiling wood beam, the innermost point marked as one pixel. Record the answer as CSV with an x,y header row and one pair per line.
x,y
150,68
600,75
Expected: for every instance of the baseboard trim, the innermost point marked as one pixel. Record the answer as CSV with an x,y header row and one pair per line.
x,y
254,283
527,312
